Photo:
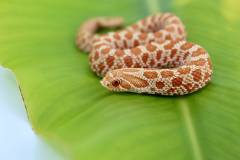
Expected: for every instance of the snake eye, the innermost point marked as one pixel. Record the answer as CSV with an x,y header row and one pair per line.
x,y
115,83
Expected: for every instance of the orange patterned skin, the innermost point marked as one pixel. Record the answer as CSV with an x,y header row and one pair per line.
x,y
150,56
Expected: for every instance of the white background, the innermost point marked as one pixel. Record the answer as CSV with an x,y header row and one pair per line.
x,y
17,139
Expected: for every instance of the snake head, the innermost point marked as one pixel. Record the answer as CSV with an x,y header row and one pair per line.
x,y
114,81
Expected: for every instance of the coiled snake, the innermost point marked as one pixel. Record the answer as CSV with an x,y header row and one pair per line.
x,y
150,56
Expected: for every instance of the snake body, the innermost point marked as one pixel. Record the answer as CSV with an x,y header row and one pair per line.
x,y
151,56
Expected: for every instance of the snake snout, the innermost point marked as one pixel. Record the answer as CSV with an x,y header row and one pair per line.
x,y
104,83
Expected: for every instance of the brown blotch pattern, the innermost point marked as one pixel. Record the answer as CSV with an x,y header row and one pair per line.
x,y
198,52
173,53
176,82
116,45
125,43
168,37
171,90
200,62
180,31
184,70
108,39
143,36
150,74
185,55
110,61
152,62
170,29
188,87
135,26
186,46
167,73
206,76
99,45
125,85
169,45
137,65
136,51
197,75
135,81
106,50
151,47
175,21
96,55
101,66
119,53
145,58
158,34
128,35
159,84
136,43
165,59
117,36
159,54
128,61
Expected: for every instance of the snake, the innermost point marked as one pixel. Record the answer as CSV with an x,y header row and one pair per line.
x,y
151,56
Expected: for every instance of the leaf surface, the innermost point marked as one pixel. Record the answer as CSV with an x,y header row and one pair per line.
x,y
68,107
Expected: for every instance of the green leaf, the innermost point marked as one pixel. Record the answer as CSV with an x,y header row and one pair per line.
x,y
68,107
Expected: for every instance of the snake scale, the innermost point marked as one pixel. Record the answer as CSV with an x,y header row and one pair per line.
x,y
151,56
